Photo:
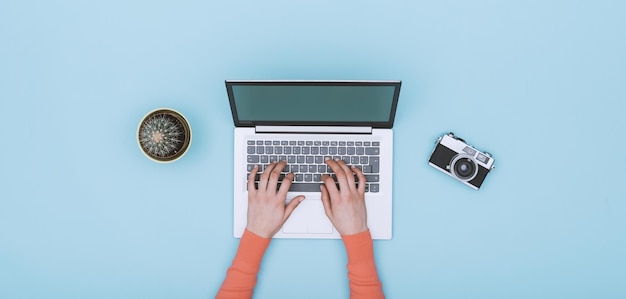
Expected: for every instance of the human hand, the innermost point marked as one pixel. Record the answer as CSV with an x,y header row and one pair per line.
x,y
345,207
267,211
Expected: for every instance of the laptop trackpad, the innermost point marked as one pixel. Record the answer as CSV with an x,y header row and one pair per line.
x,y
308,217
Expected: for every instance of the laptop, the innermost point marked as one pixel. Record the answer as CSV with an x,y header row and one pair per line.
x,y
303,122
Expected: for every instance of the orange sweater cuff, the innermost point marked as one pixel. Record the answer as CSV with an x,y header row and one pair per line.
x,y
359,247
251,249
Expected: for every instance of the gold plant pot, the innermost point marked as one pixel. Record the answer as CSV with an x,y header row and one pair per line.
x,y
164,135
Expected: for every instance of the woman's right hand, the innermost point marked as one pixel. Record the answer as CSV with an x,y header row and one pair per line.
x,y
345,206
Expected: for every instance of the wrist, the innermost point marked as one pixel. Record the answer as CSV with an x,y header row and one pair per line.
x,y
353,230
259,233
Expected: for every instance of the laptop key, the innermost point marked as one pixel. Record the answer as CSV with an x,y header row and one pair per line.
x,y
372,178
367,169
372,151
304,187
375,163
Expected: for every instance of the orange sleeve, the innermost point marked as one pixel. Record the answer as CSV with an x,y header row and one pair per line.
x,y
364,282
242,275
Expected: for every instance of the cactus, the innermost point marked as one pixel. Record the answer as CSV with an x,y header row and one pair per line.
x,y
162,135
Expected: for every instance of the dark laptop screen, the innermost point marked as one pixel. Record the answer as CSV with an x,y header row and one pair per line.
x,y
368,103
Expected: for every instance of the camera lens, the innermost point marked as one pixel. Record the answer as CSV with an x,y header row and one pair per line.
x,y
464,168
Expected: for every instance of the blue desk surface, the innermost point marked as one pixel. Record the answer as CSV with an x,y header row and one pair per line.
x,y
539,84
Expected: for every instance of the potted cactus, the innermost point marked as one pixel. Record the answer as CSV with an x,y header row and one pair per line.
x,y
164,135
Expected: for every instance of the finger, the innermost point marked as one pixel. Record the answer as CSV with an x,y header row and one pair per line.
x,y
326,201
285,185
333,165
293,204
344,175
361,178
330,187
251,179
264,179
349,174
275,174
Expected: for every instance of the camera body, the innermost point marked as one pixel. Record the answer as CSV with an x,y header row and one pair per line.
x,y
453,156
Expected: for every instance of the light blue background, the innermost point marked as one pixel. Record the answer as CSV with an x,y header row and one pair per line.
x,y
539,84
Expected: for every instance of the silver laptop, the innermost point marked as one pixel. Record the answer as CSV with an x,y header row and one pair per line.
x,y
303,122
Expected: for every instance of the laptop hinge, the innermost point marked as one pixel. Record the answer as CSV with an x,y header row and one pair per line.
x,y
314,129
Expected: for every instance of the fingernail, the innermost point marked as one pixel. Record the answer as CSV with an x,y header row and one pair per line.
x,y
301,199
326,158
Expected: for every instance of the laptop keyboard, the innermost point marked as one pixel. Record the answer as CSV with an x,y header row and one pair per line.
x,y
306,160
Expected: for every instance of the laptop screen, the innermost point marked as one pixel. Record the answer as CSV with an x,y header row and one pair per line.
x,y
354,103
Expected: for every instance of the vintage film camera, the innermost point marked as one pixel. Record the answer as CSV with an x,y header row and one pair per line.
x,y
461,161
